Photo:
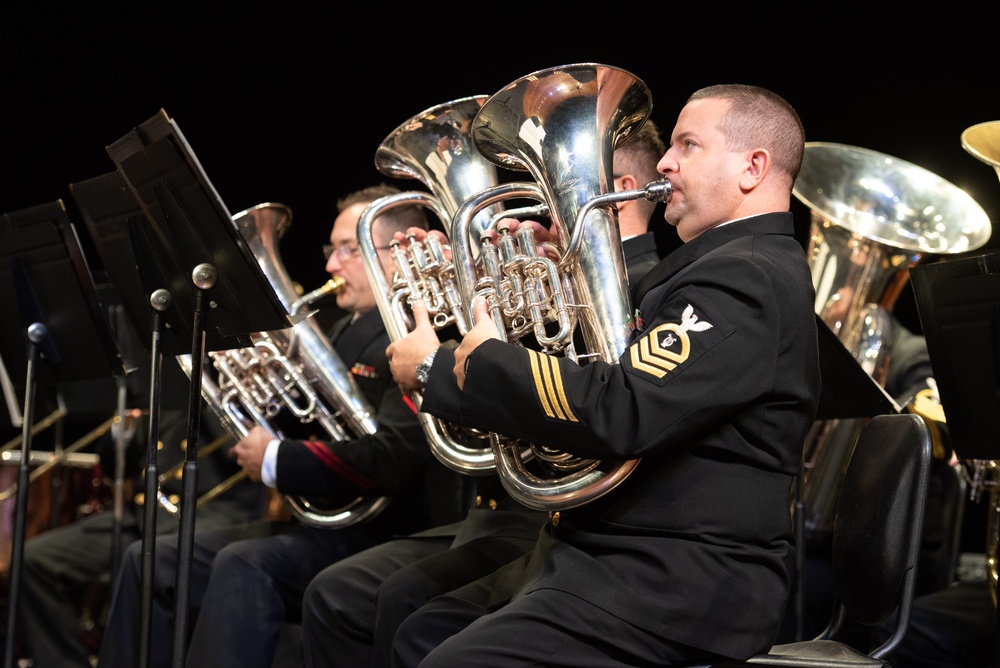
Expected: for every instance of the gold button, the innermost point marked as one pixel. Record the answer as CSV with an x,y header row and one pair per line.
x,y
493,504
479,501
554,518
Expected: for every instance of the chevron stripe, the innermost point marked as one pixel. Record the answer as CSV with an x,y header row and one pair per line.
x,y
647,356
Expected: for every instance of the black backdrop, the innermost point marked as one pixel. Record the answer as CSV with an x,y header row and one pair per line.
x,y
288,105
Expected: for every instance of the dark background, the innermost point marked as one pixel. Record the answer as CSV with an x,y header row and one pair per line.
x,y
288,105
284,104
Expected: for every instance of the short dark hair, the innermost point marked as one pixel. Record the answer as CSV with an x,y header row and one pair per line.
x,y
390,221
760,117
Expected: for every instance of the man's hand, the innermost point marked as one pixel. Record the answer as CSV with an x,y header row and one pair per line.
x,y
249,451
484,329
405,354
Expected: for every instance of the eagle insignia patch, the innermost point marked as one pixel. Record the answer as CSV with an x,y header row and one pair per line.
x,y
667,345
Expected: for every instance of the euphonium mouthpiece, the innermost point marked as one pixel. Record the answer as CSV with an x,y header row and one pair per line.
x,y
333,286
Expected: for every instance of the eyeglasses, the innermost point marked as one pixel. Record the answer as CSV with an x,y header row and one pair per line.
x,y
345,253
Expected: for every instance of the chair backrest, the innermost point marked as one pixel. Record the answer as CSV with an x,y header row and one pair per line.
x,y
878,523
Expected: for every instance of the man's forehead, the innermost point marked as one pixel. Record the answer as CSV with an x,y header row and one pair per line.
x,y
700,118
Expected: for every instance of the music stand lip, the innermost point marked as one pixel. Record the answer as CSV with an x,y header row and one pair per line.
x,y
195,227
43,240
113,217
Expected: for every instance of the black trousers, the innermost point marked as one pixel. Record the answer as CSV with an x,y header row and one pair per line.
x,y
353,609
545,627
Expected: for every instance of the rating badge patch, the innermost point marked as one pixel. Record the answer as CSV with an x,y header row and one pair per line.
x,y
666,346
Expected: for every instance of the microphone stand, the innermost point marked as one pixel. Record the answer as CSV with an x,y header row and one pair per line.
x,y
37,334
204,277
160,300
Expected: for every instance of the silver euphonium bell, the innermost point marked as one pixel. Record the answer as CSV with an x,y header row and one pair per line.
x,y
289,377
562,126
873,216
435,148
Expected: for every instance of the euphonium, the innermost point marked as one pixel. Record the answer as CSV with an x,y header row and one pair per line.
x,y
435,148
873,217
292,373
561,125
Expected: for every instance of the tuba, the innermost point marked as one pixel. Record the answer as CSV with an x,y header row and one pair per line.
x,y
562,126
873,217
290,377
983,142
435,147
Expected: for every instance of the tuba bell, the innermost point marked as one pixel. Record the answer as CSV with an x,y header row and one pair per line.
x,y
290,377
873,216
562,126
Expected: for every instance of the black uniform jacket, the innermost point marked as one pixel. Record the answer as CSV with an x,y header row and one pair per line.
x,y
715,393
394,461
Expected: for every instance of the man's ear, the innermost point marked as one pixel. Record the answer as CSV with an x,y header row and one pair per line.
x,y
758,166
628,182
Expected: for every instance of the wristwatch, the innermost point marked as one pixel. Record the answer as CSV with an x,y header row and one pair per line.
x,y
424,368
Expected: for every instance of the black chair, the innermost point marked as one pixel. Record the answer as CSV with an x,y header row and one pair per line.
x,y
876,541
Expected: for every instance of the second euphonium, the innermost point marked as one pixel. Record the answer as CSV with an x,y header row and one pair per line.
x,y
289,377
435,148
562,126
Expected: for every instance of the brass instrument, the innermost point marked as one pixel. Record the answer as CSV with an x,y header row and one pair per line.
x,y
435,147
293,374
983,142
873,216
562,126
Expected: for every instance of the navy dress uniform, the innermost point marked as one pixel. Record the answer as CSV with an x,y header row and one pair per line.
x,y
716,393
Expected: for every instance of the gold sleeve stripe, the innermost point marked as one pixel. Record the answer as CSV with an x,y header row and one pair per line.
x,y
549,387
560,390
539,384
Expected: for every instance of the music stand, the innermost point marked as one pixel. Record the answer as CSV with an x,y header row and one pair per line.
x,y
958,302
52,312
196,231
142,272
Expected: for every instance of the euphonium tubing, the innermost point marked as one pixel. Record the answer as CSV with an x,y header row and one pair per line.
x,y
294,373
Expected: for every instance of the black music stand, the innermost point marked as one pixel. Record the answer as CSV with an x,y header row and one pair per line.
x,y
958,302
191,225
52,313
121,234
